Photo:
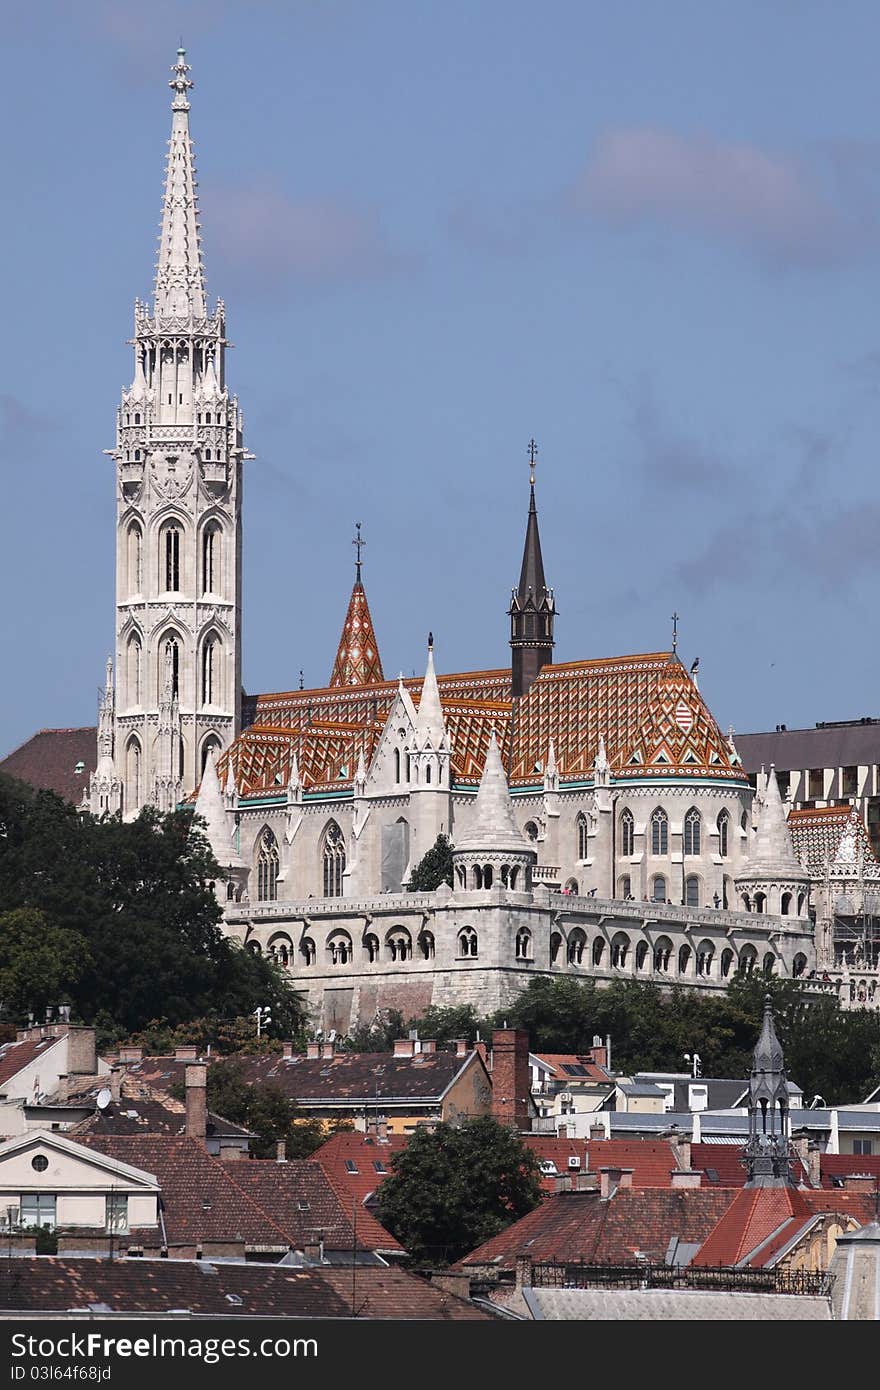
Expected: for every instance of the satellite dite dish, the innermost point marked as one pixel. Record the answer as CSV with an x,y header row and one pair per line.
x,y
104,1098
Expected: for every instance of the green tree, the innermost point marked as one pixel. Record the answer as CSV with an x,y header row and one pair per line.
x,y
447,1023
40,965
263,1108
433,869
452,1188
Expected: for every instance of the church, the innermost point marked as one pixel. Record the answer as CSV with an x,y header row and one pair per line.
x,y
602,823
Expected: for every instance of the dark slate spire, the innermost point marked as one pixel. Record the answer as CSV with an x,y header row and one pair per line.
x,y
768,1153
532,606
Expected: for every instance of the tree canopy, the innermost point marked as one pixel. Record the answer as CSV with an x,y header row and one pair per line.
x,y
120,920
434,868
452,1188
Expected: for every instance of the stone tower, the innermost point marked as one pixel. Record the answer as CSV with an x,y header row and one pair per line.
x,y
178,460
532,607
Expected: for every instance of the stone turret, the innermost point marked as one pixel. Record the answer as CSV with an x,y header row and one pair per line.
x,y
773,880
428,754
218,825
768,1150
494,852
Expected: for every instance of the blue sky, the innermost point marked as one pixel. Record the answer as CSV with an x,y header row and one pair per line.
x,y
645,234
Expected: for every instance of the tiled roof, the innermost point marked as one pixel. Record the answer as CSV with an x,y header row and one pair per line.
x,y
152,1115
49,1284
646,707
358,1077
761,1221
826,832
582,1226
847,1165
15,1056
350,1159
55,760
303,1201
650,1161
558,1061
357,659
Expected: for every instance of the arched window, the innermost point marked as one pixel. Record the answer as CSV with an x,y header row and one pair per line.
x,y
769,963
802,898
723,824
799,964
211,671
785,904
625,887
426,945
659,832
726,962
169,667
705,956
684,956
371,946
281,950
339,948
230,891
658,889
530,830
662,954
210,745
693,823
169,558
571,887
467,942
333,857
267,868
397,764
524,944
308,951
211,559
555,946
598,950
692,891
134,670
133,774
641,955
398,944
582,837
619,950
627,834
488,873
760,902
135,558
577,944
748,959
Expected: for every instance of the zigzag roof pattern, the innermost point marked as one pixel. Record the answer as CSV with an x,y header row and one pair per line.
x,y
832,833
357,658
646,707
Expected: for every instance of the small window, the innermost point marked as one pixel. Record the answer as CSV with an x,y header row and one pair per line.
x,y
816,784
850,781
659,832
379,1166
351,1166
39,1163
117,1211
627,834
863,1146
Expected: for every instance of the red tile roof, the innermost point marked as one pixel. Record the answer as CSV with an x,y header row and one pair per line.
x,y
280,1189
363,1153
15,1056
358,1077
847,1165
651,1161
558,1061
49,759
761,1221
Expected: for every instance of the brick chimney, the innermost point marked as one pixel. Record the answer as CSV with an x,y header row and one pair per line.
x,y
597,1134
599,1055
613,1177
404,1047
81,1056
115,1083
429,1044
196,1101
186,1054
131,1054
281,1151
685,1177
807,1150
328,1051
461,1047
231,1153
680,1144
287,1051
511,1077
313,1051
859,1182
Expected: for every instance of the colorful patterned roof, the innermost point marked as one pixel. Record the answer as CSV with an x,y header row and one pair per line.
x,y
646,707
832,833
357,659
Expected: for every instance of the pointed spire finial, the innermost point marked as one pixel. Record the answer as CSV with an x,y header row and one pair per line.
x,y
533,454
675,634
430,641
180,83
359,542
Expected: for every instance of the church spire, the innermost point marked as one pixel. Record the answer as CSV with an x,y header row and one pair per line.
x,y
768,1152
532,606
180,281
357,657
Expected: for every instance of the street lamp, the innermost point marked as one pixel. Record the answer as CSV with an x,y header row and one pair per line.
x,y
263,1015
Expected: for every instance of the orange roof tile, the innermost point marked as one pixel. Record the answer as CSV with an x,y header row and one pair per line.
x,y
357,659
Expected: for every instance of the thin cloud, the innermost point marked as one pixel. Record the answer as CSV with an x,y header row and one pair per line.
x,y
263,234
758,201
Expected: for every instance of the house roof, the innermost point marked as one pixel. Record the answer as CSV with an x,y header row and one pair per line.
x,y
574,1069
350,1161
673,1305
761,1222
651,1162
15,1056
646,707
841,1166
359,1078
152,1115
49,1284
843,745
303,1200
576,1226
55,760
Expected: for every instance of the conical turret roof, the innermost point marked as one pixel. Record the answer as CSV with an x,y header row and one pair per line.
x,y
772,854
494,827
209,805
357,658
180,280
429,719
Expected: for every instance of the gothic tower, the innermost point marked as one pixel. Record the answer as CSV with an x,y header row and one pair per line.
x,y
178,463
532,607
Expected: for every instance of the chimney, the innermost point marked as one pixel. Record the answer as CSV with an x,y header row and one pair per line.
x,y
511,1077
599,1055
314,1251
131,1054
196,1101
377,1127
461,1047
281,1151
480,1046
115,1082
313,1051
328,1051
231,1153
597,1134
403,1047
680,1145
186,1054
807,1151
685,1177
81,1056
287,1051
429,1044
860,1182
613,1178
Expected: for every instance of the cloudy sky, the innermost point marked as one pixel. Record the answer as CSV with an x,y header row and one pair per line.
x,y
646,234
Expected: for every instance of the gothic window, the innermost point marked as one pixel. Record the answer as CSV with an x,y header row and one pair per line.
x,y
555,946
210,745
625,888
211,671
726,962
798,965
684,956
692,891
785,904
658,889
333,858
723,824
577,944
748,958
426,945
397,764
211,560
659,832
802,898
641,955
134,654
169,666
582,838
619,950
308,951
598,950
769,963
524,944
133,774
135,558
627,834
467,942
760,902
399,944
662,953
267,868
693,823
170,558
371,946
137,417
705,955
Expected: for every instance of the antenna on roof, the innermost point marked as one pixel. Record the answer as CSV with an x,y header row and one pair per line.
x,y
103,1098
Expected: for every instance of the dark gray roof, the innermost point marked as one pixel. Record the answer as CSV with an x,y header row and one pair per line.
x,y
641,1088
846,745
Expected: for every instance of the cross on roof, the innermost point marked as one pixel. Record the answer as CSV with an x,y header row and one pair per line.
x,y
359,543
533,454
675,632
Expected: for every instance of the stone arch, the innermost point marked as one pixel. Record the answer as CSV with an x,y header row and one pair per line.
x,y
799,965
398,944
280,948
134,772
211,673
768,964
169,650
641,955
308,951
598,950
705,957
727,959
748,958
371,947
722,825
134,557
620,944
134,669
332,860
523,949
662,955
426,944
211,555
210,743
468,943
624,887
339,947
555,946
576,946
627,833
684,959
785,904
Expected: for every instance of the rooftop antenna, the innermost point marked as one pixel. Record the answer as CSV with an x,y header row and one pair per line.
x,y
103,1098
